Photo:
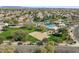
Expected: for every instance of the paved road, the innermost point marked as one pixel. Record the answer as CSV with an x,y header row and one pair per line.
x,y
76,33
58,49
67,49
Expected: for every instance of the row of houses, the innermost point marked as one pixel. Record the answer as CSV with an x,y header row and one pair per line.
x,y
2,24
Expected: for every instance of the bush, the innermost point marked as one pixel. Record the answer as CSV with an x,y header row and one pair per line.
x,y
40,43
48,48
19,35
45,40
5,28
1,39
37,51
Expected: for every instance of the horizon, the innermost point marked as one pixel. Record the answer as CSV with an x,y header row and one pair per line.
x,y
42,6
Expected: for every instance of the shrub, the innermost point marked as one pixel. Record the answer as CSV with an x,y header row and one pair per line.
x,y
1,39
19,35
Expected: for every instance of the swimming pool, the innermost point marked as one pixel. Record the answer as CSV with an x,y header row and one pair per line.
x,y
51,26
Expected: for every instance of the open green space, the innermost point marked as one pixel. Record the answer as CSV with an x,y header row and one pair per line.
x,y
10,31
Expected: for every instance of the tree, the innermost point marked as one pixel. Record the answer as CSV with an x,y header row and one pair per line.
x,y
11,21
5,28
30,26
15,21
19,35
1,39
45,40
43,29
48,48
39,43
40,28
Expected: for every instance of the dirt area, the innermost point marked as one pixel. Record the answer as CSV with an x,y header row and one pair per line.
x,y
39,35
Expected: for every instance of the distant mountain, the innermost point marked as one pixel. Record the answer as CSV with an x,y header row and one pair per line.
x,y
19,7
11,7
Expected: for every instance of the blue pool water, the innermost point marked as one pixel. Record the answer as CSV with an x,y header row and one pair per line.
x,y
51,26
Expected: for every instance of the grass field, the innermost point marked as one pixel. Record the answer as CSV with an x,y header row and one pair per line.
x,y
10,31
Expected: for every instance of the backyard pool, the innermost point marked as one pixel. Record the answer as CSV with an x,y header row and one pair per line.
x,y
51,26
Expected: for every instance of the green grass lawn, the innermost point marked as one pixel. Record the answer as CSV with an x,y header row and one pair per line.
x,y
54,38
59,38
10,31
31,39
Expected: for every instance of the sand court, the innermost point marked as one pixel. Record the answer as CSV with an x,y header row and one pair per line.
x,y
39,35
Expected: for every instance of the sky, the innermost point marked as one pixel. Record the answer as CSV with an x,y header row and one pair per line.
x,y
39,3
